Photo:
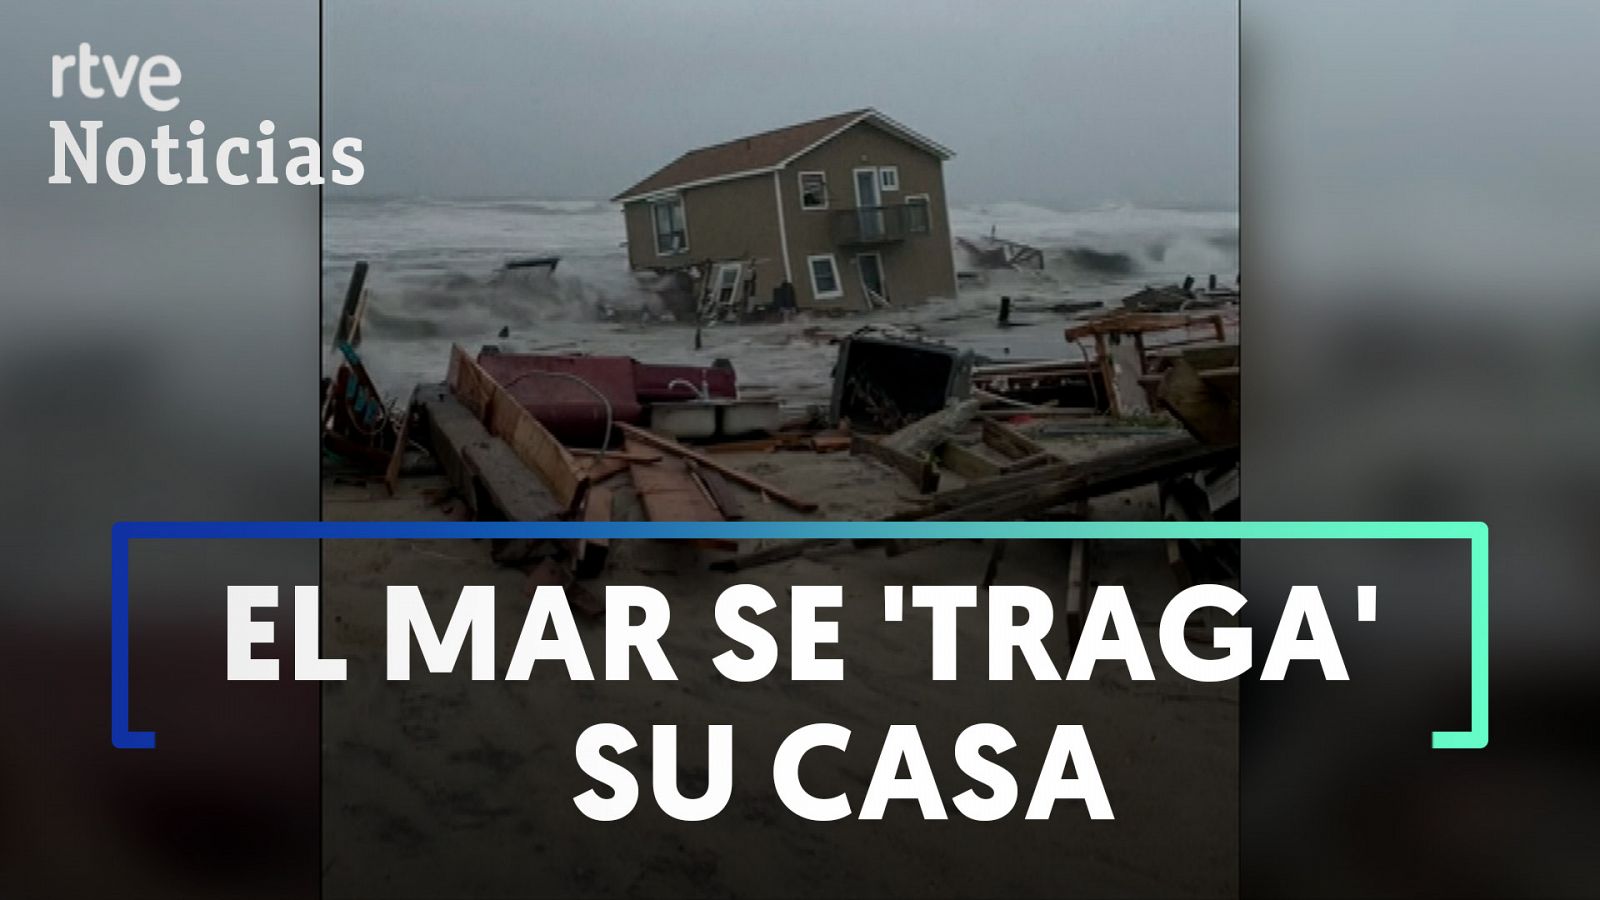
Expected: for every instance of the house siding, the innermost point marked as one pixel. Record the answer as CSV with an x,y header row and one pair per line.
x,y
915,269
730,220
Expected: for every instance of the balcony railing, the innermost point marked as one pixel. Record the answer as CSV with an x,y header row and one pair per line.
x,y
879,224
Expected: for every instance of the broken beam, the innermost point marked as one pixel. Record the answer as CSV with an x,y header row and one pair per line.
x,y
669,445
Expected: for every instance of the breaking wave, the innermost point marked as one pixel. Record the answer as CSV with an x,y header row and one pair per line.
x,y
437,265
1113,243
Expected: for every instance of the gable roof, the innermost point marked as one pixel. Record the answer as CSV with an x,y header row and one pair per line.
x,y
766,152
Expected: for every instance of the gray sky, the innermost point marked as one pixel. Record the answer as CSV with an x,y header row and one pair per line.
x,y
1054,101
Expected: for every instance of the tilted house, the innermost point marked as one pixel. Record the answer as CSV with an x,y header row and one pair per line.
x,y
849,210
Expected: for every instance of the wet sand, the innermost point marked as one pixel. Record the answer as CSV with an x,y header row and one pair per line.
x,y
441,785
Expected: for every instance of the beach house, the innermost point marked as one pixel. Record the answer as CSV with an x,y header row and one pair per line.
x,y
844,212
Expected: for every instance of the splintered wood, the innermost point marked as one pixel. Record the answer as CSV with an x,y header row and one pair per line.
x,y
505,418
669,492
637,435
483,468
920,470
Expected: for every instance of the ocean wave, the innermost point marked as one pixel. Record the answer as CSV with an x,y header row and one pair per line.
x,y
436,265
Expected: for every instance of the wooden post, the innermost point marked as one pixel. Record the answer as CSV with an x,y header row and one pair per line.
x,y
349,330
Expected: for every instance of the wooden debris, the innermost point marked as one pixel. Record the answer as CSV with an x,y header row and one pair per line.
x,y
830,443
635,433
645,457
589,554
348,331
507,482
920,470
928,432
1206,410
356,422
391,473
1121,365
508,420
547,572
966,462
1204,355
719,491
670,493
1143,323
1023,494
483,468
602,469
1010,442
999,404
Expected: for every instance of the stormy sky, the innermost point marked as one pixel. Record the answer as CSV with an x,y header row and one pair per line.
x,y
1068,103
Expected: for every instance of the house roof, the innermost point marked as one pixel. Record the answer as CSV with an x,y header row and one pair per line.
x,y
765,152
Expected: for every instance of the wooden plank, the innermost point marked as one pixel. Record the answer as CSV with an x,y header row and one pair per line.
x,y
1121,365
719,491
602,469
589,554
1091,478
349,327
921,470
1141,322
391,473
966,462
830,443
1225,379
483,468
615,454
1029,462
1009,442
670,493
652,439
928,432
1207,412
507,419
507,483
1204,355
450,427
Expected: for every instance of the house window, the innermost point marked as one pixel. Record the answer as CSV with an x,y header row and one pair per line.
x,y
727,283
672,236
824,277
889,178
918,220
813,190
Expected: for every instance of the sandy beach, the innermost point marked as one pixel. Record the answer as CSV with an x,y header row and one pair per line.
x,y
482,774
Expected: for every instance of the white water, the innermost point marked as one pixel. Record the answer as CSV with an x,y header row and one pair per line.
x,y
436,278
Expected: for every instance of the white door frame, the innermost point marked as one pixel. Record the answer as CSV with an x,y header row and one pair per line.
x,y
877,190
883,275
876,217
714,288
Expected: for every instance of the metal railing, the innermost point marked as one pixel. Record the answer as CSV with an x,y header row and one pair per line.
x,y
879,224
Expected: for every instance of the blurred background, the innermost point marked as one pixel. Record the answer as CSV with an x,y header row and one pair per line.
x,y
158,360
1418,211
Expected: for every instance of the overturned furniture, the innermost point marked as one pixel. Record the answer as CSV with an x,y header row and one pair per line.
x,y
883,382
1199,385
581,399
1123,342
507,465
